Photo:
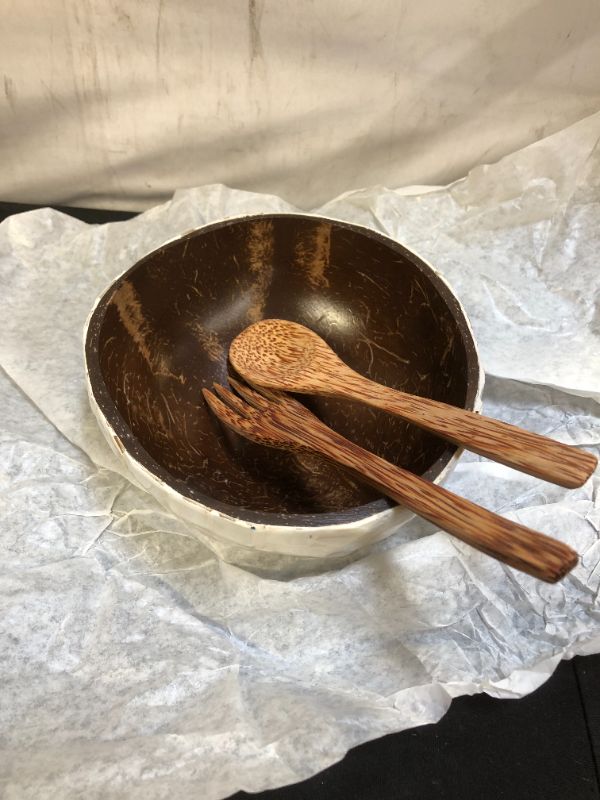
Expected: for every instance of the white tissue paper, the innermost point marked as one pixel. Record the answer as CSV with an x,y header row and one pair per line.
x,y
136,662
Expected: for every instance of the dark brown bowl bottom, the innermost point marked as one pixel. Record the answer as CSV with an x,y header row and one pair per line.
x,y
162,332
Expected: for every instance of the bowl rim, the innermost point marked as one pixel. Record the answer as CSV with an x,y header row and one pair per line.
x,y
140,462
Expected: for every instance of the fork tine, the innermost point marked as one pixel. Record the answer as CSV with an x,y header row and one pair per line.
x,y
256,391
250,395
269,399
287,400
271,394
225,413
232,400
251,424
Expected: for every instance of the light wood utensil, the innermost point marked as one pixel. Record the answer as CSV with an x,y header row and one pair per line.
x,y
278,354
280,421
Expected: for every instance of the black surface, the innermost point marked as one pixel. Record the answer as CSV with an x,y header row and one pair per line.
x,y
543,747
91,215
587,671
536,748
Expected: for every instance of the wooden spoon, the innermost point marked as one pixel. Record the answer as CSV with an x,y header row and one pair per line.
x,y
281,421
279,354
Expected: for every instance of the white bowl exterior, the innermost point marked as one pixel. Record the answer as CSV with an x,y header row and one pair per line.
x,y
318,542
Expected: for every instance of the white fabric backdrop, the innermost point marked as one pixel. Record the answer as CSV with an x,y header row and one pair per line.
x,y
136,664
116,103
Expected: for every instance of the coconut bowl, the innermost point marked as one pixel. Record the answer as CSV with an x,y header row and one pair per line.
x,y
162,330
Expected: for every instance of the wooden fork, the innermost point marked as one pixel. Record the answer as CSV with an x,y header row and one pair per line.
x,y
277,420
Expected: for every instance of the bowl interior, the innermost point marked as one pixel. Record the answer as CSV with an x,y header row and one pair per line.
x,y
163,330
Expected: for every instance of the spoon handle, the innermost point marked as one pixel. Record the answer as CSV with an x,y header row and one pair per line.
x,y
528,452
509,542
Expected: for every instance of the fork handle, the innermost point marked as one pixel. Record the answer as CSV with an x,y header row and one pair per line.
x,y
513,544
528,452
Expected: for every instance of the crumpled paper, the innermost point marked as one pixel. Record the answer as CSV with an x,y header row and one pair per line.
x,y
137,663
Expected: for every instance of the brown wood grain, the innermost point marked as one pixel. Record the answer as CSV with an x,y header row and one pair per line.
x,y
507,444
284,355
280,421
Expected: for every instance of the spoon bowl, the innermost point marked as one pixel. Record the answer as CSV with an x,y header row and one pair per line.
x,y
278,354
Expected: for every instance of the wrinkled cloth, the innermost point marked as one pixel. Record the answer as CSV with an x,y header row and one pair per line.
x,y
116,104
136,661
